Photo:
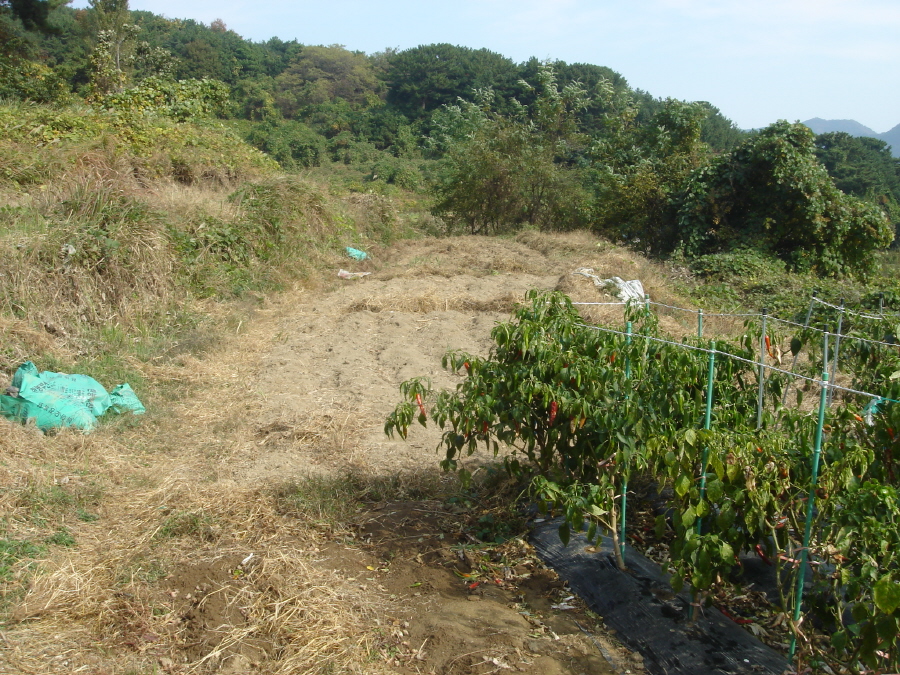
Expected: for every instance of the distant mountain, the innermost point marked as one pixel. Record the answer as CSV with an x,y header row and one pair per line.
x,y
892,138
854,128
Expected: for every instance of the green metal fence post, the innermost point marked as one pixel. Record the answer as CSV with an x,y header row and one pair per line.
x,y
625,478
810,506
707,422
762,369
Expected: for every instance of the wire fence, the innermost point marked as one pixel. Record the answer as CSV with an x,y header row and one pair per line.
x,y
765,346
827,389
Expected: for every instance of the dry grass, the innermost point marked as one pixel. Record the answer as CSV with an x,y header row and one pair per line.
x,y
126,597
433,301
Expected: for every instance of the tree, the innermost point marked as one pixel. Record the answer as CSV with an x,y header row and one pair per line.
x,y
424,78
772,194
32,13
501,172
863,167
637,168
322,74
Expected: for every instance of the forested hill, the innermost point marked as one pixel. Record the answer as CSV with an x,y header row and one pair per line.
x,y
332,89
493,144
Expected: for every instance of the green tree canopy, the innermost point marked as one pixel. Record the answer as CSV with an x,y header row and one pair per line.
x,y
322,74
637,168
772,194
505,171
424,78
860,166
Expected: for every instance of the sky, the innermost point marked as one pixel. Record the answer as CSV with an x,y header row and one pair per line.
x,y
758,61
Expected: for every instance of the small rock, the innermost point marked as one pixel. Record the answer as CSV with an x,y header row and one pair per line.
x,y
473,598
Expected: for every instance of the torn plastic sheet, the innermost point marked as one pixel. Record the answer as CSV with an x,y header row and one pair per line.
x,y
625,290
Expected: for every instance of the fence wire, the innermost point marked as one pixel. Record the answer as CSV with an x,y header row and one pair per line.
x,y
752,362
769,317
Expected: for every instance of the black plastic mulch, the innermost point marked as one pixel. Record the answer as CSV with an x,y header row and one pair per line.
x,y
648,616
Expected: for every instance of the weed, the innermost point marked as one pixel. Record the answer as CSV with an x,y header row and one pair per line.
x,y
44,502
324,501
86,516
147,570
187,524
61,537
12,551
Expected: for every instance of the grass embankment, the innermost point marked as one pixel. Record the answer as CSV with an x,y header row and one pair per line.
x,y
128,246
115,231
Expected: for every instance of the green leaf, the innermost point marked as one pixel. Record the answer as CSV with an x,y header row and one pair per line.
x,y
886,594
839,640
726,517
702,508
714,490
688,517
661,525
682,485
726,551
690,437
886,627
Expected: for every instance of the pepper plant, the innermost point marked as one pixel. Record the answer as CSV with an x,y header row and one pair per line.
x,y
581,410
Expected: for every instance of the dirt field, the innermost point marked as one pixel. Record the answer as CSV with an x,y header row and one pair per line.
x,y
223,533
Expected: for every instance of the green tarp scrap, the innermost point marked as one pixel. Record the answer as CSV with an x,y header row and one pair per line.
x,y
56,400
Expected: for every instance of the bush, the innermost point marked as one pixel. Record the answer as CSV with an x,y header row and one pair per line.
x,y
770,193
397,171
292,144
746,264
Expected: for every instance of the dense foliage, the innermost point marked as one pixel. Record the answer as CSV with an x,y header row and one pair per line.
x,y
772,194
507,145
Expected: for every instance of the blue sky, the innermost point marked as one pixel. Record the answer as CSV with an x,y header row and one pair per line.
x,y
757,60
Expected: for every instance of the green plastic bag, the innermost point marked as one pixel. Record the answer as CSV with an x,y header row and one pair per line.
x,y
55,400
124,399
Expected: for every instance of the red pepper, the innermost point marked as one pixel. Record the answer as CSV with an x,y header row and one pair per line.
x,y
420,404
484,428
769,347
467,366
762,555
554,406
